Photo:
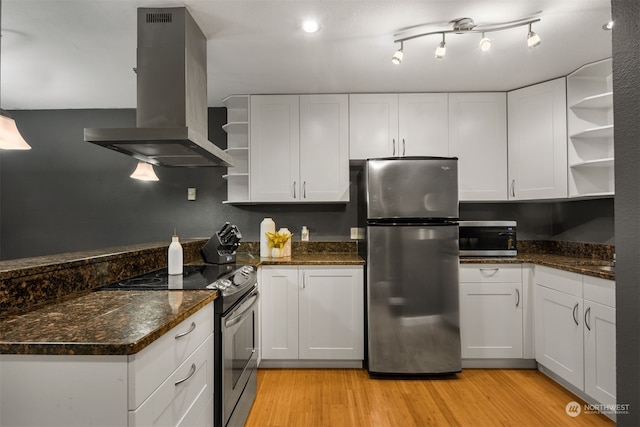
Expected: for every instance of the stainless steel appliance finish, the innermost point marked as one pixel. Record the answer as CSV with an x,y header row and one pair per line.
x,y
412,266
488,238
239,360
171,116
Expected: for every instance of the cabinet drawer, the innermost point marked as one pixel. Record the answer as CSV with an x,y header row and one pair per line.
x,y
497,273
599,290
562,281
149,368
188,389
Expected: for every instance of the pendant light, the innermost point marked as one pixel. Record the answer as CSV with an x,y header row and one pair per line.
x,y
144,172
10,138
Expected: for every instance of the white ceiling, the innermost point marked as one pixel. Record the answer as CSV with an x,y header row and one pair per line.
x,y
80,53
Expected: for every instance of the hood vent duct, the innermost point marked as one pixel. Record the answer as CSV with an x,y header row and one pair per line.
x,y
171,115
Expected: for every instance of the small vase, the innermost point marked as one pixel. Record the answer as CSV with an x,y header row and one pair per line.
x,y
276,253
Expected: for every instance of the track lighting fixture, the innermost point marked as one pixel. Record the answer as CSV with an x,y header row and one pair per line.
x,y
466,25
397,57
485,43
441,50
144,172
533,39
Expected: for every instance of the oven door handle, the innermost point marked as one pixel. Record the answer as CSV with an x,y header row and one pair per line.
x,y
243,313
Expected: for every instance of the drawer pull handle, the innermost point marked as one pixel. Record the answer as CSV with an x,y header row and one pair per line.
x,y
586,315
191,372
489,271
518,297
191,328
575,316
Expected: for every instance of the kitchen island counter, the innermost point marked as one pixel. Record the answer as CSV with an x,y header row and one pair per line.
x,y
100,323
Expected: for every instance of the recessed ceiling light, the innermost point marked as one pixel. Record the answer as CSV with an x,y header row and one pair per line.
x,y
608,26
310,26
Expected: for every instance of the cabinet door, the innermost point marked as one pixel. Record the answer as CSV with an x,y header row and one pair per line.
x,y
275,148
559,336
324,148
491,320
331,313
373,125
478,137
600,352
538,141
423,125
279,312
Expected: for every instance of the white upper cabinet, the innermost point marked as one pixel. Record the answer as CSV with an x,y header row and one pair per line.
x,y
324,148
275,148
590,122
478,137
373,125
299,148
384,125
423,125
537,141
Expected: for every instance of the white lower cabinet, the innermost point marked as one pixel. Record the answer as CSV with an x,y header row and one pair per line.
x,y
575,330
492,307
312,313
168,383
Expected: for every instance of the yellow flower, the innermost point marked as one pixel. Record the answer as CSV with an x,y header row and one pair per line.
x,y
277,239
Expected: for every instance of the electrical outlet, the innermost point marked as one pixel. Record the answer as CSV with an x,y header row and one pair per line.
x,y
191,193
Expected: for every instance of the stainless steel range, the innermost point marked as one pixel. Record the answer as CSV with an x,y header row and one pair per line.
x,y
235,329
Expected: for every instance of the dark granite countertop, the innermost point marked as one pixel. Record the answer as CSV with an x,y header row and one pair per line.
x,y
49,307
100,323
581,265
311,258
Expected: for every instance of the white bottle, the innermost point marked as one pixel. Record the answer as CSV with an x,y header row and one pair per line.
x,y
304,235
267,225
175,256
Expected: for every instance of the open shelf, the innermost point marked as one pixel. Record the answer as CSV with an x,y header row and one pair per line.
x,y
602,100
595,132
596,163
241,127
590,127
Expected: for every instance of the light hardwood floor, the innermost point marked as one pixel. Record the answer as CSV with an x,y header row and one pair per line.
x,y
476,397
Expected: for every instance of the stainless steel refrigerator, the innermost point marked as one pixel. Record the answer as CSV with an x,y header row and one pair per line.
x,y
411,206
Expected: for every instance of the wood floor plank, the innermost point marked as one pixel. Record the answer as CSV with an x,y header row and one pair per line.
x,y
349,397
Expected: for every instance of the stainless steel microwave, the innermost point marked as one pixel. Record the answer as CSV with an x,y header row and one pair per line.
x,y
488,238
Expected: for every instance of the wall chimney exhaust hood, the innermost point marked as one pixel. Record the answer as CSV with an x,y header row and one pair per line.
x,y
171,115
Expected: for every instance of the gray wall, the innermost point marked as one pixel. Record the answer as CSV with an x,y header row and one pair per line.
x,y
626,87
69,195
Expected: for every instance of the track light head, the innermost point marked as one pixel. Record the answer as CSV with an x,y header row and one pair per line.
x,y
441,50
485,43
398,56
533,39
